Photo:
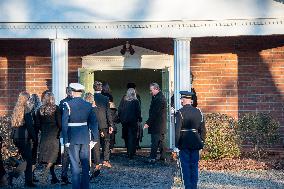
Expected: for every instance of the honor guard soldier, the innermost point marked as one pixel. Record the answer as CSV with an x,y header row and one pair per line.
x,y
78,121
190,136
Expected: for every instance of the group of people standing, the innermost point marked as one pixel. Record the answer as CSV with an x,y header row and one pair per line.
x,y
89,123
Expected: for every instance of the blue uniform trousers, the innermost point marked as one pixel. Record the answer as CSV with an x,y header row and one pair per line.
x,y
189,163
80,153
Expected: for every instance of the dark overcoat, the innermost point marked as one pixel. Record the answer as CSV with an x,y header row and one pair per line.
x,y
157,120
50,126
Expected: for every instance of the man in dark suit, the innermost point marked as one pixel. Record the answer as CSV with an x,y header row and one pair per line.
x,y
157,122
103,114
190,136
78,123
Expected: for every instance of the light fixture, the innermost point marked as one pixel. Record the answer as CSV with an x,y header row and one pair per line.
x,y
127,48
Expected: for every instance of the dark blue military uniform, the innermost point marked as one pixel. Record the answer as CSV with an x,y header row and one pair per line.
x,y
190,136
78,120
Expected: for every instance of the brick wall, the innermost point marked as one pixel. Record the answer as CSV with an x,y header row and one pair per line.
x,y
237,75
232,75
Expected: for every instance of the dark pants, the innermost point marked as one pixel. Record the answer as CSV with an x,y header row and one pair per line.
x,y
125,135
25,149
65,163
79,153
52,172
112,140
131,137
104,142
96,157
34,151
158,141
189,163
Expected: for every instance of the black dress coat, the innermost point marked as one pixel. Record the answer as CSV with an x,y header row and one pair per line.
x,y
103,111
129,111
26,131
50,126
157,120
190,131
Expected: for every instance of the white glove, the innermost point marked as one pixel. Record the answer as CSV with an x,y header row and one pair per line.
x,y
92,144
67,145
176,150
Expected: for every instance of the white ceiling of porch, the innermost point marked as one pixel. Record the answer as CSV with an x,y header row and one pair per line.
x,y
137,10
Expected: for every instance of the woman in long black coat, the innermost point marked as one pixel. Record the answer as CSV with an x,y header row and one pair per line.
x,y
129,113
48,120
34,103
23,134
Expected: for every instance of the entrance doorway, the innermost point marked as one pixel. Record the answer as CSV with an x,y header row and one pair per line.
x,y
142,67
118,79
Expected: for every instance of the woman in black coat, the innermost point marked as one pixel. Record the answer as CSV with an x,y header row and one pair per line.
x,y
48,120
23,134
129,113
34,103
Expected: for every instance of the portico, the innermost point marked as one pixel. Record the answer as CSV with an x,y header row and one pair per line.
x,y
218,47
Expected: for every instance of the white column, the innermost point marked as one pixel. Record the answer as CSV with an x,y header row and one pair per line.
x,y
181,75
59,58
181,68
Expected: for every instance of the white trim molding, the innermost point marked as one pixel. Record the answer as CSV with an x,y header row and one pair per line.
x,y
138,29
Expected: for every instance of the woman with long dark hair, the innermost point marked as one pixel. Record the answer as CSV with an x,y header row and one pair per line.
x,y
34,103
129,113
48,120
23,134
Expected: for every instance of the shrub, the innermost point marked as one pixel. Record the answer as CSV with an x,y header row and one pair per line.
x,y
222,140
8,149
259,130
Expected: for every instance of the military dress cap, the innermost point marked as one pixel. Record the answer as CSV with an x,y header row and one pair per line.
x,y
186,94
77,87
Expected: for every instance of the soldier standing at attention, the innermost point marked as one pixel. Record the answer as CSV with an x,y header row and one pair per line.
x,y
190,137
77,120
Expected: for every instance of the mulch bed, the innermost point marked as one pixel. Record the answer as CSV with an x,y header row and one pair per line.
x,y
238,164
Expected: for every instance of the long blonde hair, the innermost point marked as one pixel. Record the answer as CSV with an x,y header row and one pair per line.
x,y
48,104
19,110
130,94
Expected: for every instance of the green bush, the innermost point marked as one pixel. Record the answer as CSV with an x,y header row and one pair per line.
x,y
259,130
222,140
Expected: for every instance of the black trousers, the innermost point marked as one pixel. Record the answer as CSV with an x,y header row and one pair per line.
x,y
158,141
34,151
131,137
104,142
25,149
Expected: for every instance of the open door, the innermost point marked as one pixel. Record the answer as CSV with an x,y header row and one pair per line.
x,y
86,78
166,92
